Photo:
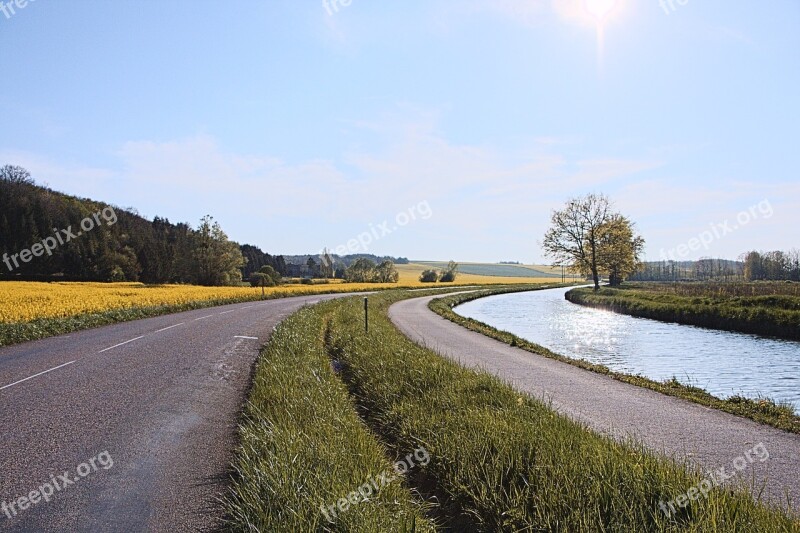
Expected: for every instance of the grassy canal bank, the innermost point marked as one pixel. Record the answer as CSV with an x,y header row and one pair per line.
x,y
334,410
763,308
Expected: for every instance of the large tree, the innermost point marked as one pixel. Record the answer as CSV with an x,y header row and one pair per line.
x,y
589,237
618,249
217,261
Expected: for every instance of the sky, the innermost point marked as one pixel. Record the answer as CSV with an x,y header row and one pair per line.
x,y
430,129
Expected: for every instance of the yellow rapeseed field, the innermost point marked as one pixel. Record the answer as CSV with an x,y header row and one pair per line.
x,y
26,301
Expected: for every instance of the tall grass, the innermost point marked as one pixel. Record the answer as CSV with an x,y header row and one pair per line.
x,y
304,447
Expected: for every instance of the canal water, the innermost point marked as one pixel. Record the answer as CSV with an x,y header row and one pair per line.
x,y
723,363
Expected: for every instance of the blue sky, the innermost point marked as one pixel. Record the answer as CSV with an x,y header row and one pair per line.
x,y
299,126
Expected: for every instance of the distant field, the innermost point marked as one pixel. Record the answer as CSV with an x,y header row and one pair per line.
x,y
23,302
480,275
27,301
497,270
34,310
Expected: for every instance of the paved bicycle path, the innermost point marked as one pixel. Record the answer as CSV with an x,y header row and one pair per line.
x,y
709,438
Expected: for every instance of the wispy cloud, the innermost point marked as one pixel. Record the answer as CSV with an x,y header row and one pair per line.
x,y
477,191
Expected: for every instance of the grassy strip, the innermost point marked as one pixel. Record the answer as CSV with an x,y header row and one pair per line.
x,y
503,461
303,446
774,315
762,410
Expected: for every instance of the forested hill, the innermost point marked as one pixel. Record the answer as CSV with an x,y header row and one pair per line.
x,y
47,235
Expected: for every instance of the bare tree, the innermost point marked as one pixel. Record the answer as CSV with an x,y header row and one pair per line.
x,y
326,264
572,239
15,174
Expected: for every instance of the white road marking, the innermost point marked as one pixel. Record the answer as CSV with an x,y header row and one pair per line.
x,y
203,317
36,375
247,307
242,337
165,329
226,312
121,344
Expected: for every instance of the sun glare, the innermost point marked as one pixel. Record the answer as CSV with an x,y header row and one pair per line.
x,y
600,9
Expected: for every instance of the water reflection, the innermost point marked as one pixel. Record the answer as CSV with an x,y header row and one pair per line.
x,y
723,363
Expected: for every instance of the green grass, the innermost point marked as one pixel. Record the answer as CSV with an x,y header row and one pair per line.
x,y
766,309
762,410
500,460
303,446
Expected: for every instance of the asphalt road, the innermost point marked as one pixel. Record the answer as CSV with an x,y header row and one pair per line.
x,y
131,426
707,438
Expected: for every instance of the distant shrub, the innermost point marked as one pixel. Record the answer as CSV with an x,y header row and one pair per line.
x,y
117,275
260,279
361,271
386,273
449,275
272,273
429,276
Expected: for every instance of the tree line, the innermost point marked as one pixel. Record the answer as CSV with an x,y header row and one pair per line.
x,y
132,249
752,266
776,265
704,269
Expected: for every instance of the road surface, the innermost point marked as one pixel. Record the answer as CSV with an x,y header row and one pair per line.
x,y
129,427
